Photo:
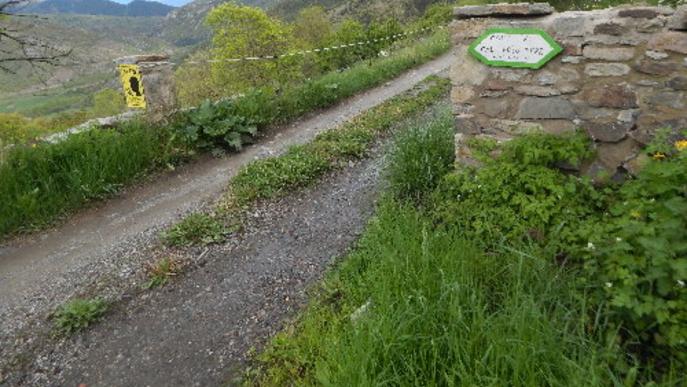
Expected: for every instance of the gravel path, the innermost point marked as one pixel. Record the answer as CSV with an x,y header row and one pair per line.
x,y
42,271
101,251
196,330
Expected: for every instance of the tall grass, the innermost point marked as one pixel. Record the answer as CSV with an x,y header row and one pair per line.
x,y
41,182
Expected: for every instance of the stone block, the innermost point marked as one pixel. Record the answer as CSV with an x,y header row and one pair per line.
x,y
572,59
606,69
668,99
679,20
496,108
546,78
537,91
462,94
503,9
652,67
467,71
536,108
651,25
677,83
610,28
566,26
617,96
644,12
614,155
656,55
613,131
675,41
611,54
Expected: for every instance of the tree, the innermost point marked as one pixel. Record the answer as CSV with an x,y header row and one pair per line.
x,y
243,31
17,46
312,26
347,32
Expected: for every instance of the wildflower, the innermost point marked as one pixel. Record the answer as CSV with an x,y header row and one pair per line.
x,y
681,283
590,246
635,214
658,156
609,285
681,145
618,239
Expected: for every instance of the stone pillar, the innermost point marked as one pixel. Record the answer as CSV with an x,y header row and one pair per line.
x,y
158,83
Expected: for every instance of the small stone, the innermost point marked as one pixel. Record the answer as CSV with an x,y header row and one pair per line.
x,y
538,91
638,13
612,54
636,164
546,78
466,123
496,85
678,83
496,108
568,88
606,69
615,155
572,47
614,29
656,55
461,94
568,74
647,83
628,115
572,59
510,75
611,96
467,71
545,108
669,41
608,131
679,20
670,99
651,67
503,9
651,25
570,26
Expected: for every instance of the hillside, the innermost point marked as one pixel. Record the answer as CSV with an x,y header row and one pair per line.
x,y
136,8
364,10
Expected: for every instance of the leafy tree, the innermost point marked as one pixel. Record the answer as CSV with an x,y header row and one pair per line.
x,y
348,31
193,83
242,31
107,102
313,26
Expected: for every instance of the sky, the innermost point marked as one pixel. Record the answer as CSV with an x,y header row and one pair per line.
x,y
175,3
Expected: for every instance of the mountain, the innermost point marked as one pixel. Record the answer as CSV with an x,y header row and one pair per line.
x,y
99,7
363,10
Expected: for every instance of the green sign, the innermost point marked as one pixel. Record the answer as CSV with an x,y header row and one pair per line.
x,y
515,47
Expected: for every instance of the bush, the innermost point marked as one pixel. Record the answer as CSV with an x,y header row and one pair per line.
x,y
422,155
78,314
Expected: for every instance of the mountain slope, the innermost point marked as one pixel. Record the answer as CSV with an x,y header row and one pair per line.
x,y
99,7
364,10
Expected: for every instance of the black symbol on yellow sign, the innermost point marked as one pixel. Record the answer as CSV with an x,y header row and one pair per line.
x,y
130,76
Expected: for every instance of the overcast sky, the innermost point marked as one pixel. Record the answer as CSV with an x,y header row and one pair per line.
x,y
170,2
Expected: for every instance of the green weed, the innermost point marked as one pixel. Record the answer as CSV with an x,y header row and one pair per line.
x,y
78,314
196,229
160,272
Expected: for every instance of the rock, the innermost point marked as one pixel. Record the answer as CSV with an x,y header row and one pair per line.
x,y
495,108
509,75
546,78
572,59
538,91
465,123
502,9
669,41
460,95
651,67
611,96
656,55
610,28
678,83
567,74
545,108
570,26
572,47
467,71
671,99
496,85
679,20
606,69
611,54
512,127
636,164
651,25
628,115
644,12
614,155
136,59
568,88
647,83
608,131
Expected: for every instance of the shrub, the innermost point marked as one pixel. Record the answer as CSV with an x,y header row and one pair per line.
x,y
422,155
79,314
196,229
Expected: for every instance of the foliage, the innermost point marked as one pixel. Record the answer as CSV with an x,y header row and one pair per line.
x,y
41,182
192,82
637,257
243,31
160,272
301,165
107,102
422,155
196,229
440,311
312,26
78,314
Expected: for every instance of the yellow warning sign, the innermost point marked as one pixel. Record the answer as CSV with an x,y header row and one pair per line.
x,y
133,85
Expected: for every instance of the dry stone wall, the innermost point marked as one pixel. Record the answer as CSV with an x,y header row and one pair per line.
x,y
621,76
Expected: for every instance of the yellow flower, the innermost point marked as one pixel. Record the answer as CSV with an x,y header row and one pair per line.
x,y
659,156
635,214
681,145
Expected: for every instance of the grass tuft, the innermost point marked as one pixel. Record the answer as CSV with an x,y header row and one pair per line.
x,y
196,229
160,272
78,314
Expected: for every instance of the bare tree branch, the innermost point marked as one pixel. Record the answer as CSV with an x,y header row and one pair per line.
x,y
19,48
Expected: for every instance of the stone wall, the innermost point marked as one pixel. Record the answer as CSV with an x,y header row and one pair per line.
x,y
622,75
157,75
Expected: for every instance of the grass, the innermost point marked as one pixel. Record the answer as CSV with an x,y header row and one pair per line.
x,y
196,229
78,314
40,183
160,272
301,165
